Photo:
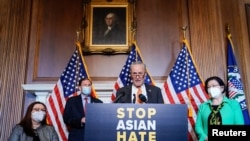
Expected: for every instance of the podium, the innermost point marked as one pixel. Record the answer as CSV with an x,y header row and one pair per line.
x,y
136,122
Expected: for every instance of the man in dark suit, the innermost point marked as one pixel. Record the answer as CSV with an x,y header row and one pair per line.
x,y
131,94
74,113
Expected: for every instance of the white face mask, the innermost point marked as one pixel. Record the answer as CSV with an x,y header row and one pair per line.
x,y
214,92
86,90
38,116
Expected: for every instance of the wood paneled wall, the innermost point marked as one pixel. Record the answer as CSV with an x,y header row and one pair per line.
x,y
14,28
37,39
158,36
52,38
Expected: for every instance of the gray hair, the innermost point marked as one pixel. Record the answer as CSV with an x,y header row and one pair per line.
x,y
113,15
138,63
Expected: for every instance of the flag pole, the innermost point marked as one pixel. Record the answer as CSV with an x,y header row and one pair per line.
x,y
184,28
235,88
79,48
190,113
77,70
229,36
136,50
138,53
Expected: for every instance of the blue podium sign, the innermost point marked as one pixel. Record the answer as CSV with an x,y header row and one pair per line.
x,y
136,122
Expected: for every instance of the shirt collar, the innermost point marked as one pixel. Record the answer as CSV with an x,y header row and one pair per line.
x,y
225,100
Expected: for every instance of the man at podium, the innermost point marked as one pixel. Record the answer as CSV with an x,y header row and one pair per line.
x,y
139,92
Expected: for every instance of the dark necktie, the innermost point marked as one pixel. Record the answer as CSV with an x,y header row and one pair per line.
x,y
86,102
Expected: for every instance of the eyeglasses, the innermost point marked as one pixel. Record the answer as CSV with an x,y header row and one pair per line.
x,y
214,86
38,109
140,74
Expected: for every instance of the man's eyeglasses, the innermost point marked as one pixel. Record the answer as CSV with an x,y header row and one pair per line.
x,y
140,74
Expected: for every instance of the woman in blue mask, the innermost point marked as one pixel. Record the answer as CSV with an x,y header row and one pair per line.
x,y
74,112
218,110
33,126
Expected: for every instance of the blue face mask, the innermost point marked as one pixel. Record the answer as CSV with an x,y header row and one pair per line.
x,y
86,90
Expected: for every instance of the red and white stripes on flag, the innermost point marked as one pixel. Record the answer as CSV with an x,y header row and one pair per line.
x,y
233,89
55,107
66,87
184,86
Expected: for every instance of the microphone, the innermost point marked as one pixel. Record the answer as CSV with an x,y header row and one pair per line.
x,y
119,97
134,98
143,98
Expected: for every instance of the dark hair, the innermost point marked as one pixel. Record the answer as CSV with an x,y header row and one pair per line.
x,y
26,122
80,81
216,78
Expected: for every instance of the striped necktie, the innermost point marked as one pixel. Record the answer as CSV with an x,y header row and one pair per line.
x,y
86,102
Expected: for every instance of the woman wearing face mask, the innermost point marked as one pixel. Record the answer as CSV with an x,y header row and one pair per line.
x,y
218,110
74,112
33,126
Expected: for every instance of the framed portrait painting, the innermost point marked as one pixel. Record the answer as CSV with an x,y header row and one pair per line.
x,y
109,28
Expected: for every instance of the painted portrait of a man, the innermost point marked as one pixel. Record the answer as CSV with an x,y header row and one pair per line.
x,y
109,26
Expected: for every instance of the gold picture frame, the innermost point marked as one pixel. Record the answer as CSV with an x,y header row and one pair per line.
x,y
96,14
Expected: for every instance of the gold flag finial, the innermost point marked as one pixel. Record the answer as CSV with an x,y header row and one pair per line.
x,y
184,28
227,28
77,35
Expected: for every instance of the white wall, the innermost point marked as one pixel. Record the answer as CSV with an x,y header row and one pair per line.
x,y
41,91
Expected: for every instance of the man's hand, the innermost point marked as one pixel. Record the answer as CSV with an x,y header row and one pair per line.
x,y
83,120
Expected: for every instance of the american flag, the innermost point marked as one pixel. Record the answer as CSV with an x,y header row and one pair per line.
x,y
184,86
235,87
124,78
66,87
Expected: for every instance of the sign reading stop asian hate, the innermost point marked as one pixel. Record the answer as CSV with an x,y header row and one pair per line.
x,y
136,122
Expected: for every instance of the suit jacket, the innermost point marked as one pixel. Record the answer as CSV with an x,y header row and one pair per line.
x,y
73,113
153,93
116,35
